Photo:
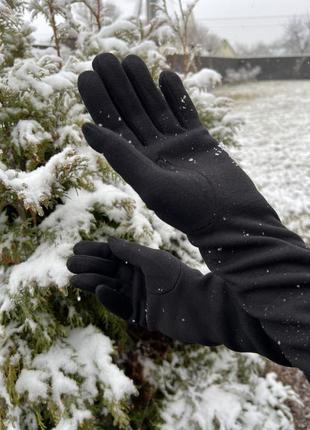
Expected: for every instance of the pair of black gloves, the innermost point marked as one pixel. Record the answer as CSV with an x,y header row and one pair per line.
x,y
257,296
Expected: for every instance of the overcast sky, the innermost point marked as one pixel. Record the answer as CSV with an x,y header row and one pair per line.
x,y
246,21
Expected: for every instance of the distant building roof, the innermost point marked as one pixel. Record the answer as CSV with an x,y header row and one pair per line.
x,y
225,50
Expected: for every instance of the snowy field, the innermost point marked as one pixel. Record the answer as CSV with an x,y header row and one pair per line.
x,y
275,145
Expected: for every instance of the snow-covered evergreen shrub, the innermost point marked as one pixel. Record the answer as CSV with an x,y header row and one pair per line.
x,y
15,34
65,362
212,110
214,388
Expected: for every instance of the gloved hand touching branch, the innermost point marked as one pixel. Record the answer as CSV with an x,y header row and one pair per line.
x,y
155,141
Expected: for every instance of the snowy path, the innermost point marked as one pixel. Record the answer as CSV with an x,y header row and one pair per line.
x,y
275,145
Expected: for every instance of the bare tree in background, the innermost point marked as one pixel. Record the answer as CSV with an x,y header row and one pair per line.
x,y
294,41
296,38
97,12
182,22
52,10
15,34
202,37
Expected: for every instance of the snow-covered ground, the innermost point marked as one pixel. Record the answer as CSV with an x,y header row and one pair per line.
x,y
275,145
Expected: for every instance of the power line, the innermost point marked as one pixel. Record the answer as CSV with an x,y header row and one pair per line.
x,y
246,25
253,17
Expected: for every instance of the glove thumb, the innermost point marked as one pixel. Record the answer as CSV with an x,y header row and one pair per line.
x,y
130,252
160,268
133,166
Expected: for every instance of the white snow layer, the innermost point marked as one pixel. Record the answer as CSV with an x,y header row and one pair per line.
x,y
203,390
204,80
275,145
24,76
35,186
85,352
29,132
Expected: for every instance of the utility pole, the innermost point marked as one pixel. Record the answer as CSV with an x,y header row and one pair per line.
x,y
150,9
147,6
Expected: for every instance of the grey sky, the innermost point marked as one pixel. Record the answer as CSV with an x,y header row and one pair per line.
x,y
262,19
269,17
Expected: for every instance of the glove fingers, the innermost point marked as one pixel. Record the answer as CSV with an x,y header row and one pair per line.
x,y
96,249
90,281
114,301
134,167
100,105
133,253
179,100
124,97
150,97
89,264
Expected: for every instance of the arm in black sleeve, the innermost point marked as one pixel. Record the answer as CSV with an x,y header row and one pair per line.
x,y
268,267
164,152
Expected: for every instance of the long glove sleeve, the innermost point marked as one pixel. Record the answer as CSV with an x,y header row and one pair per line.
x,y
160,147
268,266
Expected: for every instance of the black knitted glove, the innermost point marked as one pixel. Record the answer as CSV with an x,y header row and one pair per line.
x,y
155,290
160,148
158,145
